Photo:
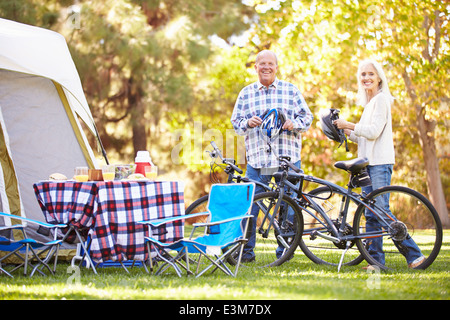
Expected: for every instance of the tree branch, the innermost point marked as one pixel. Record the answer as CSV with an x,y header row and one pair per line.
x,y
437,33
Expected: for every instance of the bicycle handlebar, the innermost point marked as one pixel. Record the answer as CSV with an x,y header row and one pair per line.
x,y
226,161
216,152
287,161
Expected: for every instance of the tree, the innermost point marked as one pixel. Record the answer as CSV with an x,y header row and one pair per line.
x,y
413,39
150,68
139,61
321,40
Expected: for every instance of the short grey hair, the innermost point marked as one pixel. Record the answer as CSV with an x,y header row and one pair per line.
x,y
264,52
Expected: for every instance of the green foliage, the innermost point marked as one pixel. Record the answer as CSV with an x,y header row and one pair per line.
x,y
152,70
320,44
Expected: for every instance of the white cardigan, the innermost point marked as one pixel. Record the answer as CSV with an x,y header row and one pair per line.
x,y
373,132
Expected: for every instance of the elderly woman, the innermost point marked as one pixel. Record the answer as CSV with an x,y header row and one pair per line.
x,y
373,134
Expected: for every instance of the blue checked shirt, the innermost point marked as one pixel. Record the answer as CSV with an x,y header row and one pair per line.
x,y
254,100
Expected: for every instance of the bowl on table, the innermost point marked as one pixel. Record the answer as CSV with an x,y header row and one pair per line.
x,y
124,170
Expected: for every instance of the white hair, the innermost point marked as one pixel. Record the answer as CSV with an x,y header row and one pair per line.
x,y
263,52
383,86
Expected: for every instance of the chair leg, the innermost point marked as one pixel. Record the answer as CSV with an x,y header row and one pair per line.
x,y
214,263
17,267
168,263
149,257
26,261
219,262
4,271
123,266
56,258
20,257
86,254
239,258
40,262
145,265
183,254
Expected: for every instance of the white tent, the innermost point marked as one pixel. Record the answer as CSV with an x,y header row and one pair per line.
x,y
41,102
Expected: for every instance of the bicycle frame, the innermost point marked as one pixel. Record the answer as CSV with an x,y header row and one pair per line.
x,y
359,199
305,198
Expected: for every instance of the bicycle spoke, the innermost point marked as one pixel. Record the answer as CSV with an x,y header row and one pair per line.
x,y
275,243
416,232
318,249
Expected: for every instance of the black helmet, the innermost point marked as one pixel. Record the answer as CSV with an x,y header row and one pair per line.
x,y
272,123
327,116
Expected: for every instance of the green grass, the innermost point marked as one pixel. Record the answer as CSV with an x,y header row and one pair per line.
x,y
298,279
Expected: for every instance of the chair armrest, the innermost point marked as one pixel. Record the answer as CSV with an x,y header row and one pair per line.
x,y
208,224
159,222
40,223
15,226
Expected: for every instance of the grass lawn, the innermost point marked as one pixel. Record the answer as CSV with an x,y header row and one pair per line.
x,y
298,279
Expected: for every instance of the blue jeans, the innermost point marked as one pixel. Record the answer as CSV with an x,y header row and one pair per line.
x,y
380,175
258,175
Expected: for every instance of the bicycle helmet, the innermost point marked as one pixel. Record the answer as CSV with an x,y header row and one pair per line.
x,y
327,116
272,123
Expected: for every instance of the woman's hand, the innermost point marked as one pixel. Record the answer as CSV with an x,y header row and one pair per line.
x,y
342,124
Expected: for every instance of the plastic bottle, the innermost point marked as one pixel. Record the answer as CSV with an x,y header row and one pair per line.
x,y
142,160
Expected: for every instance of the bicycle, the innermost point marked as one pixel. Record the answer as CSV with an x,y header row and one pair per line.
x,y
279,223
328,237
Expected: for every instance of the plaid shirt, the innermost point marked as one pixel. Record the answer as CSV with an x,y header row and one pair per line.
x,y
254,100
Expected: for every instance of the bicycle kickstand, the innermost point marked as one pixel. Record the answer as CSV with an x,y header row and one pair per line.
x,y
343,254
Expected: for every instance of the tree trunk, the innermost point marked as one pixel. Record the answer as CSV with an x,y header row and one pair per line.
x,y
435,190
137,119
138,125
427,141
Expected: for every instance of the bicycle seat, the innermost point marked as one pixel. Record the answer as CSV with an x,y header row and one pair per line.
x,y
353,166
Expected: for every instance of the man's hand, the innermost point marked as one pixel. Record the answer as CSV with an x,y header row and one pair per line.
x,y
288,125
254,121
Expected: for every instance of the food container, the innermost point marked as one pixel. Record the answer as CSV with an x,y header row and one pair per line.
x,y
142,160
124,170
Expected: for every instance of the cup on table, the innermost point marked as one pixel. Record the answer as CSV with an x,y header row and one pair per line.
x,y
108,171
151,172
81,174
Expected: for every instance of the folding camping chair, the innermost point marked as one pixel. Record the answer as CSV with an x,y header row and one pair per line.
x,y
229,206
228,210
29,247
162,249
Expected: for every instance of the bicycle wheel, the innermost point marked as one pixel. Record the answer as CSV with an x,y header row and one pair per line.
x,y
318,249
274,244
414,231
199,205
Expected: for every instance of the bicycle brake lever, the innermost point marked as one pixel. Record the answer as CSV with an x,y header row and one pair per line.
x,y
287,161
212,154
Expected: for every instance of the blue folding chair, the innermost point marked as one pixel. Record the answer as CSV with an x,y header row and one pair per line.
x,y
163,249
228,213
29,250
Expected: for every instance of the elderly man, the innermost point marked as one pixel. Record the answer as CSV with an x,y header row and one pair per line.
x,y
269,93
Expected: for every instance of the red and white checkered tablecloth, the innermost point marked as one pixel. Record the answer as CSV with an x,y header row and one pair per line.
x,y
109,211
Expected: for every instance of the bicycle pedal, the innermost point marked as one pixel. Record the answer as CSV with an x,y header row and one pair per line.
x,y
313,235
